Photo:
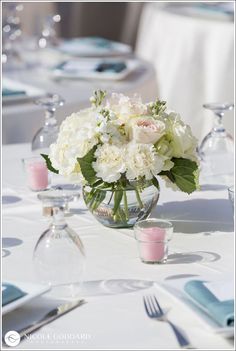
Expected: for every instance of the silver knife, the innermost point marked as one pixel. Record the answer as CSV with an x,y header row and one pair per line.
x,y
49,317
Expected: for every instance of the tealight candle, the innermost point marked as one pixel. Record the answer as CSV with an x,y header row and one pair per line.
x,y
152,236
37,173
152,244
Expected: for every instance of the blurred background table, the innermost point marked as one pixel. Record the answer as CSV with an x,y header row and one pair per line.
x,y
189,47
28,117
192,50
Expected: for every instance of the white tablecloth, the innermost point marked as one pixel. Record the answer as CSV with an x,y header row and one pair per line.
x,y
115,278
21,121
194,62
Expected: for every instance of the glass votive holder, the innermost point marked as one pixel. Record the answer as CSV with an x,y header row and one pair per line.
x,y
37,175
152,237
231,195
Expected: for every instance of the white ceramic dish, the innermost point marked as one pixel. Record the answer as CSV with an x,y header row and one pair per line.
x,y
85,69
32,291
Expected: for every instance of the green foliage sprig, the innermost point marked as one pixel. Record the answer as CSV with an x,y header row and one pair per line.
x,y
157,107
98,97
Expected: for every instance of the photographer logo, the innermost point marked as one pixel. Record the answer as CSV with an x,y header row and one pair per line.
x,y
12,338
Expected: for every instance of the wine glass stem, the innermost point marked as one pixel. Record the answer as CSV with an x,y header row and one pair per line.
x,y
58,219
218,125
49,118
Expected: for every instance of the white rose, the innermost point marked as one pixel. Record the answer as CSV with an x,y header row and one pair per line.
x,y
146,130
125,106
142,160
182,141
165,149
109,162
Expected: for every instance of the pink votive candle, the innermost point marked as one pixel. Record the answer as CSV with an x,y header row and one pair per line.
x,y
152,244
37,174
153,235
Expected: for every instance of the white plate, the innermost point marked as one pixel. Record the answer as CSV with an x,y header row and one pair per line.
x,y
32,291
85,69
31,92
90,47
175,289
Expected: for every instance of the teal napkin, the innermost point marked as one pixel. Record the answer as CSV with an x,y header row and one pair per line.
x,y
103,66
10,92
11,293
221,311
115,67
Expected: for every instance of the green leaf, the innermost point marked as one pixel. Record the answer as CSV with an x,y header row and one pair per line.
x,y
87,168
184,174
117,200
49,164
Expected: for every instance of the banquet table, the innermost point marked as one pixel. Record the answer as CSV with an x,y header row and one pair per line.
x,y
115,280
22,120
193,55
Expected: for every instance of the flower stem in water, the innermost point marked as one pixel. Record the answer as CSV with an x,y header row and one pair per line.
x,y
138,198
126,206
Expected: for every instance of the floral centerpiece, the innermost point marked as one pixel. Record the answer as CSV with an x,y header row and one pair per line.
x,y
117,148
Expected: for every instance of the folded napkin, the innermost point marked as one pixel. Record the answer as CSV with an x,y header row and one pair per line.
x,y
73,66
221,311
116,67
10,92
11,293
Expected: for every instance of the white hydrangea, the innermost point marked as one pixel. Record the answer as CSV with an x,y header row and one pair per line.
x,y
110,163
142,160
76,138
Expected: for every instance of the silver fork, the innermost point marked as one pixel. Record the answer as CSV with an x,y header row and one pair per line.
x,y
155,311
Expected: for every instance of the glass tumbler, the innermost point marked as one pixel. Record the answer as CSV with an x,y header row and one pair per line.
x,y
153,236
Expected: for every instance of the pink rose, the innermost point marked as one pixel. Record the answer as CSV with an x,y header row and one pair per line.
x,y
146,130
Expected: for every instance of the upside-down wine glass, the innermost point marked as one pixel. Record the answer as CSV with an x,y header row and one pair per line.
x,y
217,148
47,135
59,253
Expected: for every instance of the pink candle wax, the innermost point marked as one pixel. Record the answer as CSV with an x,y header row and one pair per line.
x,y
37,175
152,244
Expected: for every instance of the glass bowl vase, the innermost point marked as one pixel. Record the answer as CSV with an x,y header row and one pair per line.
x,y
121,208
